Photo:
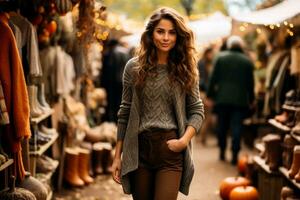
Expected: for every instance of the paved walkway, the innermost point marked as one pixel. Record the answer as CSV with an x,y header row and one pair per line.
x,y
208,174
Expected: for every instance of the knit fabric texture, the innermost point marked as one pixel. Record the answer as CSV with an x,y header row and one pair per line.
x,y
156,101
187,110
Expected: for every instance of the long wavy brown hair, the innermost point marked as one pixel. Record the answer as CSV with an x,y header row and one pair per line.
x,y
181,60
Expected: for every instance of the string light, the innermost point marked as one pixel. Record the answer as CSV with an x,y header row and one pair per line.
x,y
285,23
291,25
242,28
258,30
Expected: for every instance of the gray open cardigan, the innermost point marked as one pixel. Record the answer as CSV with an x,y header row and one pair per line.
x,y
189,111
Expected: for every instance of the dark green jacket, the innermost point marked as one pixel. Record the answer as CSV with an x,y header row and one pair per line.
x,y
231,81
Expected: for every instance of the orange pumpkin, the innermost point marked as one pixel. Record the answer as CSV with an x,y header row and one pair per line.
x,y
244,193
51,27
230,183
242,164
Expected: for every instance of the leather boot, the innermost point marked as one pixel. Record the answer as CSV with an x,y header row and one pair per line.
x,y
286,192
282,118
296,128
41,96
266,139
71,175
296,162
103,159
288,148
37,102
97,159
107,159
34,110
274,154
84,165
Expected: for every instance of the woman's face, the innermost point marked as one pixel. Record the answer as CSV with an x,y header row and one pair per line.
x,y
164,36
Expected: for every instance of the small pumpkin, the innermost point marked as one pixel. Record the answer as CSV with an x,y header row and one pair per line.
x,y
230,183
242,164
35,186
52,27
244,193
16,193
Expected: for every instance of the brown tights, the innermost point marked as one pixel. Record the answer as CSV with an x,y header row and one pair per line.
x,y
155,184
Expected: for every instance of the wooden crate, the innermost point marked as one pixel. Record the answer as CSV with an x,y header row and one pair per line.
x,y
269,183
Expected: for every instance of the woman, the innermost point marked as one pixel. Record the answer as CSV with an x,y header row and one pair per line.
x,y
160,112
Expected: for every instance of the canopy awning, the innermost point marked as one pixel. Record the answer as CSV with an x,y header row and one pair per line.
x,y
211,28
273,15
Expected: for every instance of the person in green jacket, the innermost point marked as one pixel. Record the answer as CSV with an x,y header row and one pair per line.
x,y
231,89
160,112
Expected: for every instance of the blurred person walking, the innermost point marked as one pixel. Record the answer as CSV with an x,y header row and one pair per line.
x,y
114,61
231,89
161,111
205,68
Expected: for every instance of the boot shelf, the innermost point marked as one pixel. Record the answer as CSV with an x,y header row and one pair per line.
x,y
278,125
50,174
262,164
285,173
290,108
37,120
260,147
6,164
44,147
296,137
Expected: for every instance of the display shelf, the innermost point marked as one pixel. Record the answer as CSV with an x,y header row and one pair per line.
x,y
5,189
6,164
44,147
261,162
260,147
278,125
37,120
290,108
254,121
296,137
285,173
50,174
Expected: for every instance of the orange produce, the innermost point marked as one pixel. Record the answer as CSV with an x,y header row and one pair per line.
x,y
244,193
230,183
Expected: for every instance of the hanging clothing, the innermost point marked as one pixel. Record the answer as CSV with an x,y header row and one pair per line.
x,y
65,72
48,64
18,37
279,83
272,69
295,59
30,51
16,98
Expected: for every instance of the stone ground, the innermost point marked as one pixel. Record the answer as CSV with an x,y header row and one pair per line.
x,y
209,172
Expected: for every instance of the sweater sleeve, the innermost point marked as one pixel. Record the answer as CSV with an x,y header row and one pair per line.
x,y
194,108
125,106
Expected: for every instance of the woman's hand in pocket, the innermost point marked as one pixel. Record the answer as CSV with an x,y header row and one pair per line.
x,y
176,145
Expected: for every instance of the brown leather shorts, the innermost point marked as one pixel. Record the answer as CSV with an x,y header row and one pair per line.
x,y
155,154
